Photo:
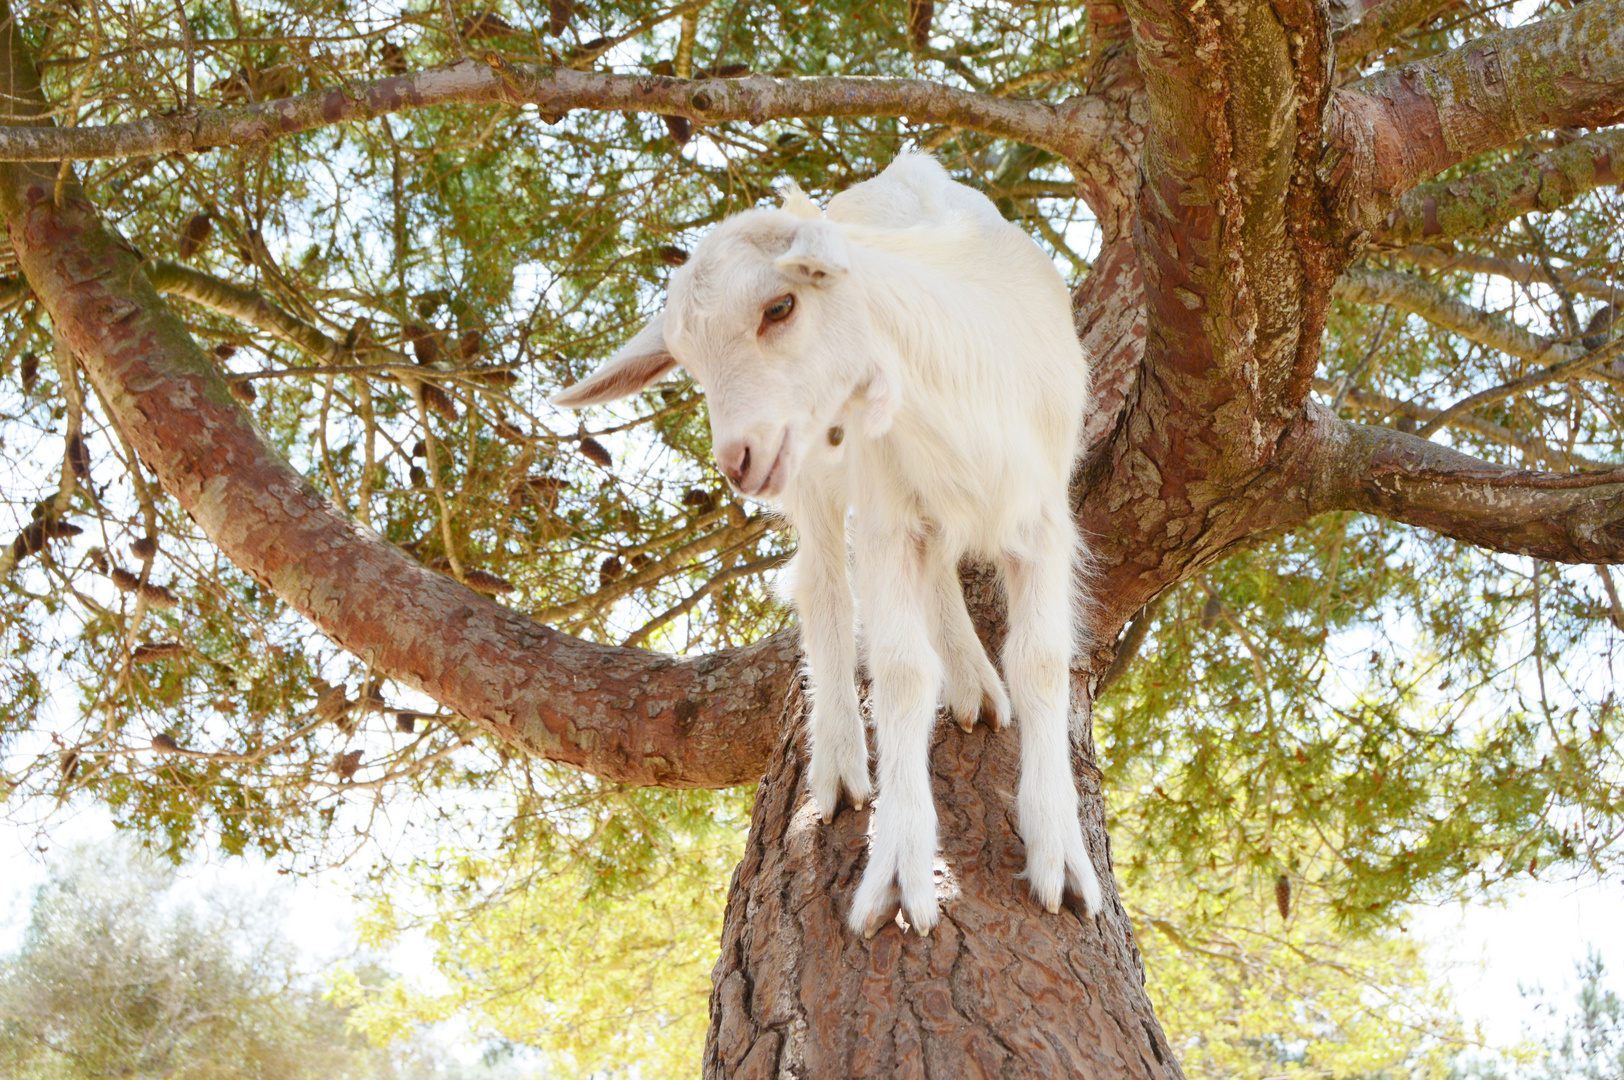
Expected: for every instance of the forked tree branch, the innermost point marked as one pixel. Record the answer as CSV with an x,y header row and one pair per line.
x,y
1073,129
1390,131
1564,517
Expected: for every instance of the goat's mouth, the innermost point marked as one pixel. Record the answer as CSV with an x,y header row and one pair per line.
x,y
774,480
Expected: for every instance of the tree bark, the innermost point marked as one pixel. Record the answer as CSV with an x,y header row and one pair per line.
x,y
1000,988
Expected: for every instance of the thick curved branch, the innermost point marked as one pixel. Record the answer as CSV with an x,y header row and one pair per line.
x,y
1489,200
1564,517
1397,127
625,715
1073,129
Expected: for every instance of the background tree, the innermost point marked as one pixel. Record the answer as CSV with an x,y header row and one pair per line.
x,y
1582,1039
122,972
1346,268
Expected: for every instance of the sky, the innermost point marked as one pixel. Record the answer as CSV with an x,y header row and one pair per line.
x,y
1534,940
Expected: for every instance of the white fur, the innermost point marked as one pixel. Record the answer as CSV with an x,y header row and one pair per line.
x,y
938,338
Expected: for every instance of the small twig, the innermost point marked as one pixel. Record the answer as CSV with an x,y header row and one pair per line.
x,y
1554,373
191,62
1612,595
1344,384
431,464
759,566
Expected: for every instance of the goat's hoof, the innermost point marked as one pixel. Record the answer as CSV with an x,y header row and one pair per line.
x,y
828,812
1074,879
831,790
1084,884
989,712
874,920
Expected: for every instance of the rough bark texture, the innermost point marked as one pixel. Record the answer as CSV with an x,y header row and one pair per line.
x,y
999,989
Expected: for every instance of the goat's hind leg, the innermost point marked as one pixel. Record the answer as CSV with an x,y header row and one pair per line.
x,y
1037,662
971,688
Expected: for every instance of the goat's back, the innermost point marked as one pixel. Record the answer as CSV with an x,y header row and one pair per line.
x,y
913,190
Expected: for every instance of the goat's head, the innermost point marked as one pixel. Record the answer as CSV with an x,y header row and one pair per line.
x,y
767,319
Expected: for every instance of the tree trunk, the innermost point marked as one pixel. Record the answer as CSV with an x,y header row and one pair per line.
x,y
1000,988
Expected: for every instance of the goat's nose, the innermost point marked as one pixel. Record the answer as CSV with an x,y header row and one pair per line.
x,y
734,459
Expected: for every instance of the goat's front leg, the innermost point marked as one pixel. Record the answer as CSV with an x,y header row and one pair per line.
x,y
1037,661
898,602
971,688
820,589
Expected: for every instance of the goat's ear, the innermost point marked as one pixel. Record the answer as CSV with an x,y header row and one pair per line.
x,y
642,360
817,255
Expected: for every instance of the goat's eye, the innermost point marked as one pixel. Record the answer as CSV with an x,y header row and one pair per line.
x,y
778,310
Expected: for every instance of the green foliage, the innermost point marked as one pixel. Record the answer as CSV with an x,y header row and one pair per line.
x,y
1379,714
588,937
1242,992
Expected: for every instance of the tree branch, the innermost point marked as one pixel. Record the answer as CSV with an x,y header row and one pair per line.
x,y
1365,27
1488,200
626,715
1129,644
1397,127
1535,449
1565,517
1561,360
1525,273
1418,297
1073,129
251,307
1567,369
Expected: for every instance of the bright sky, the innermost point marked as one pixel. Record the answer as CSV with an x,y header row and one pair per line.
x,y
1533,941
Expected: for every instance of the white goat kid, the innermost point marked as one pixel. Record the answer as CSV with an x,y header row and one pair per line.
x,y
909,357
